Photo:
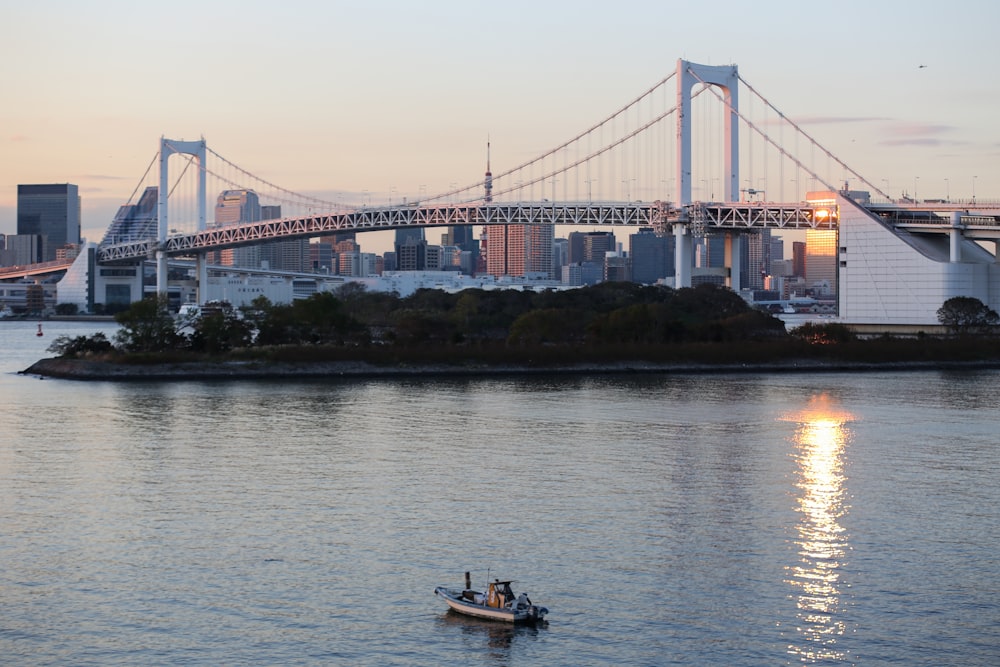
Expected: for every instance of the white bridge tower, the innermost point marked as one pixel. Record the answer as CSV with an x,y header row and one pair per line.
x,y
169,147
725,77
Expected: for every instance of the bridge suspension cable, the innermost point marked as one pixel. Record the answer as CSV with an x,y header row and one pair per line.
x,y
297,198
815,144
551,153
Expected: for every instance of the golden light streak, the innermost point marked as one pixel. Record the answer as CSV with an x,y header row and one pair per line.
x,y
820,442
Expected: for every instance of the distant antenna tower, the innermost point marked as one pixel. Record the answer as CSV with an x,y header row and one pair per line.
x,y
488,183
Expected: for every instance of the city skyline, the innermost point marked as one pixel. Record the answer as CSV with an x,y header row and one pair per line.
x,y
351,101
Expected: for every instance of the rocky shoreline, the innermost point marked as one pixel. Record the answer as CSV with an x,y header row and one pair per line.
x,y
82,369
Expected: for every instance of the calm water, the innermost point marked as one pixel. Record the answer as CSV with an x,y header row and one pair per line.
x,y
690,520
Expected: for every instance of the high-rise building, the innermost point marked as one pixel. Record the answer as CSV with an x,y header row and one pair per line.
x,y
461,236
777,248
821,262
50,211
758,258
321,257
291,255
232,207
616,268
799,259
711,251
516,250
589,246
519,250
652,256
22,249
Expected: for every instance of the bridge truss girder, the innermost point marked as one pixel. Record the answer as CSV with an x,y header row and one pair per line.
x,y
659,215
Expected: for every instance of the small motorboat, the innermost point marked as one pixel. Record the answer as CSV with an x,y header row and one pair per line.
x,y
498,603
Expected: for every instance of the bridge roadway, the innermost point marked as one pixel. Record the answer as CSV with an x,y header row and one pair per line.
x,y
978,222
36,269
659,215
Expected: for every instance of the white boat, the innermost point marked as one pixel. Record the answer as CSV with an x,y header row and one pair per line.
x,y
498,603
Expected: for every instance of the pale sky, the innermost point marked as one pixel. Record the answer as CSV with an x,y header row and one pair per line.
x,y
345,97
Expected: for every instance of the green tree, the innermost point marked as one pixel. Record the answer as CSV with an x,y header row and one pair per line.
x,y
966,315
829,333
78,346
220,330
147,326
546,325
67,309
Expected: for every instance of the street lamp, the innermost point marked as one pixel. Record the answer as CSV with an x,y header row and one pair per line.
x,y
974,189
947,190
590,182
888,191
915,179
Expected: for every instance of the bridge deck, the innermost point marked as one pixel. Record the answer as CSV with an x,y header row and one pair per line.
x,y
659,215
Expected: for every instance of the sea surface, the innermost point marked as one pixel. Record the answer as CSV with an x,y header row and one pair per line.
x,y
776,519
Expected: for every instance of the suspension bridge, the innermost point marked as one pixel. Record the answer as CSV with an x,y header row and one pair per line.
x,y
657,161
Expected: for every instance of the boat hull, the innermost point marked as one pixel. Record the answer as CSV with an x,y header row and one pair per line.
x,y
529,614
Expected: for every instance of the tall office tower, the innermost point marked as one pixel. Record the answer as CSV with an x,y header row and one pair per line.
x,y
821,262
560,255
411,249
321,257
520,250
51,211
292,255
589,250
22,249
515,250
652,256
589,246
616,268
461,236
238,206
777,248
337,237
713,251
758,258
799,259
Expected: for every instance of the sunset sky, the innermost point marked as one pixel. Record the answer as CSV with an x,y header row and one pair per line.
x,y
338,98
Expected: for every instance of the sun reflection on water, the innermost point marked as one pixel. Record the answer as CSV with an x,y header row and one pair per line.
x,y
820,441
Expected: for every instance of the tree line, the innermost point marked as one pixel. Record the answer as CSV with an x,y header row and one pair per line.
x,y
608,315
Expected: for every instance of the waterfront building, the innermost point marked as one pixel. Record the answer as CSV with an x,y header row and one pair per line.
x,y
50,211
134,222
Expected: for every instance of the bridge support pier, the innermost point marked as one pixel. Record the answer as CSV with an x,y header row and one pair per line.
x,y
161,272
955,237
683,256
201,269
734,260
